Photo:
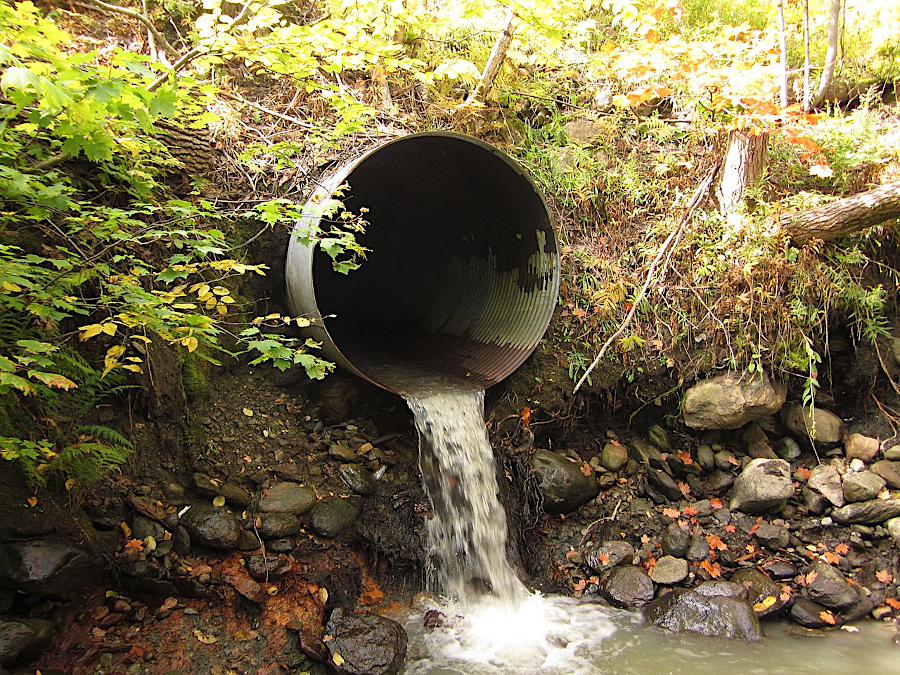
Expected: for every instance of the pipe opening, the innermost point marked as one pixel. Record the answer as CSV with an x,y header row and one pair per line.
x,y
462,274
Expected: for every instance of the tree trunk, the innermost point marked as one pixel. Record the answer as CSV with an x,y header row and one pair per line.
x,y
745,160
834,22
782,42
843,216
495,60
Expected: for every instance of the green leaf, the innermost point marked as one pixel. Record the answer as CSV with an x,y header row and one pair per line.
x,y
20,78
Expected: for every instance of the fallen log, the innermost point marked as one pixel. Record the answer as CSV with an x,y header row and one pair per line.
x,y
843,216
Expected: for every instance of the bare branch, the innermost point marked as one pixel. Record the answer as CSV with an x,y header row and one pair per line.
x,y
134,14
495,60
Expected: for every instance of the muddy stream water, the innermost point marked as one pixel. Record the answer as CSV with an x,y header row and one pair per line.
x,y
492,623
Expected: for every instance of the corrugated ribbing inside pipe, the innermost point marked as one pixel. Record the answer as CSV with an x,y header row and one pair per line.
x,y
463,271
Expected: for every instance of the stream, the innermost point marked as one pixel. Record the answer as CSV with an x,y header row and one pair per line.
x,y
483,620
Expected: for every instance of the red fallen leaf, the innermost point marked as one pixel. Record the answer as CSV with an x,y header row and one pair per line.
x,y
842,549
587,469
893,603
831,558
809,578
731,529
684,487
884,576
671,513
712,569
803,471
594,580
135,543
716,503
690,511
754,529
526,415
827,617
685,457
168,604
604,560
715,543
650,564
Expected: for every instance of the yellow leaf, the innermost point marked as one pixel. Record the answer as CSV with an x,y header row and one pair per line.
x,y
109,328
190,342
220,290
32,501
323,595
219,501
222,308
111,360
765,604
10,286
205,638
211,302
87,332
337,658
248,412
227,299
133,367
70,484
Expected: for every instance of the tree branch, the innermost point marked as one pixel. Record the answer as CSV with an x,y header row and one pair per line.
x,y
134,14
834,22
495,60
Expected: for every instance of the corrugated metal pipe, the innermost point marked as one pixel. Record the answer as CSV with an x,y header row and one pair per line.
x,y
463,270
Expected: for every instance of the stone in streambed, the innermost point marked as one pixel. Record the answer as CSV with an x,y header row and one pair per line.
x,y
608,554
829,588
858,446
665,484
212,527
893,527
762,593
614,456
669,570
888,470
287,497
330,516
773,537
562,482
820,425
267,567
48,567
277,525
365,644
23,640
826,480
862,486
730,401
357,478
873,512
691,611
676,541
626,587
809,614
764,485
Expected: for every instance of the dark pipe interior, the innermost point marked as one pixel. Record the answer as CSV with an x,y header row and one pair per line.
x,y
434,203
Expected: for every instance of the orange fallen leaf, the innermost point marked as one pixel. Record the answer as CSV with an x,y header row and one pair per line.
x,y
842,549
884,576
168,603
712,569
786,593
803,471
135,543
730,529
526,415
893,603
587,469
716,503
807,579
685,457
603,558
715,543
690,511
684,487
671,513
831,558
827,617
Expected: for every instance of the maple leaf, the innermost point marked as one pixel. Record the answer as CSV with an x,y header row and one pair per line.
x,y
671,513
884,576
579,313
715,543
685,457
526,415
786,593
831,558
809,578
587,469
604,560
716,503
803,471
168,603
580,585
827,617
135,543
690,511
712,569
731,529
893,603
734,461
684,487
842,549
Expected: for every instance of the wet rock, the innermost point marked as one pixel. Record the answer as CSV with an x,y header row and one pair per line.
x,y
762,593
826,480
211,527
888,470
788,449
659,437
342,452
676,541
809,614
765,485
608,554
23,640
284,545
277,525
365,644
669,570
562,483
893,527
892,453
50,567
858,446
780,569
213,487
864,605
720,481
829,588
647,454
287,497
267,567
814,502
862,486
699,548
331,515
773,537
873,512
614,456
706,457
626,587
142,527
829,429
357,478
719,587
758,443
239,580
715,616
665,484
730,401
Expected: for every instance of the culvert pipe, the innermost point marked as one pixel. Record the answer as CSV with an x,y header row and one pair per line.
x,y
462,272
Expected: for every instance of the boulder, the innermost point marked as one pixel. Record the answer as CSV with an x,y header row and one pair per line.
x,y
762,593
862,486
614,456
712,615
607,554
330,516
826,480
858,446
669,570
820,425
365,644
277,525
893,527
287,497
49,567
626,587
562,483
23,640
357,478
829,588
764,485
873,512
730,401
888,470
212,527
809,614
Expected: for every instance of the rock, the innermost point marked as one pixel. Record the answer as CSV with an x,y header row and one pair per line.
x,y
780,569
562,483
342,452
829,588
893,527
212,527
365,644
808,614
862,486
730,401
23,640
142,527
699,548
584,131
614,456
720,587
873,512
647,454
676,541
357,478
765,485
626,587
762,593
888,470
669,570
829,429
212,487
287,497
603,556
788,449
337,394
659,437
665,484
864,605
715,616
826,480
814,502
706,458
757,442
773,537
857,446
277,525
331,515
49,567
267,567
